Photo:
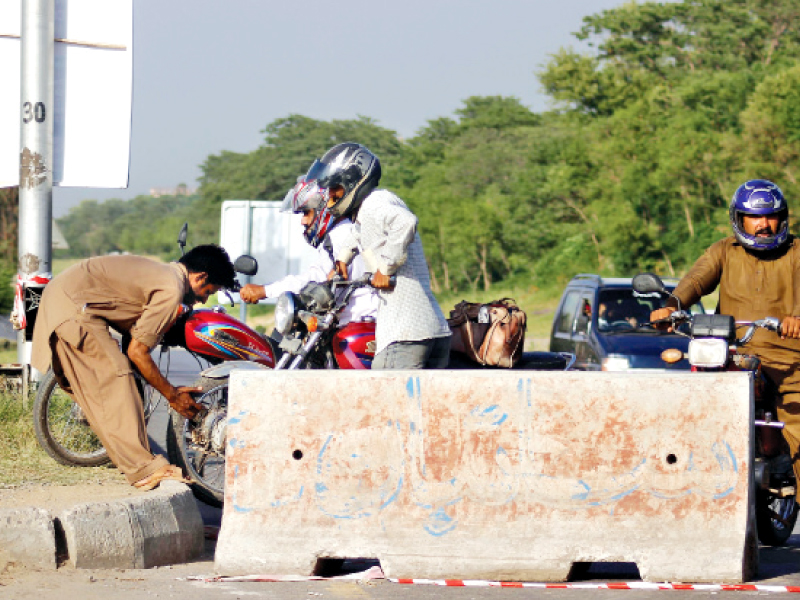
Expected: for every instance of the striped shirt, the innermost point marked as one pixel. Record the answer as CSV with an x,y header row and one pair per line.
x,y
385,234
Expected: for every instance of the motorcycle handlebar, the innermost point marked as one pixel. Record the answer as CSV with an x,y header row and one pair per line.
x,y
682,316
676,318
768,323
363,281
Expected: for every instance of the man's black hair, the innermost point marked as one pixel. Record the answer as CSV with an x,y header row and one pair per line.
x,y
213,260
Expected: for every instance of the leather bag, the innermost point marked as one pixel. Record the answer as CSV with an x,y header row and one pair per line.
x,y
491,334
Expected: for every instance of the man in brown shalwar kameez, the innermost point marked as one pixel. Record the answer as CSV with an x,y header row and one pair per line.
x,y
136,297
758,273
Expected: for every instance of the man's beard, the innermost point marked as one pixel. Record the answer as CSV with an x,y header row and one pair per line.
x,y
190,298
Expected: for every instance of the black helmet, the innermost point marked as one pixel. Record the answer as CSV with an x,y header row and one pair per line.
x,y
351,166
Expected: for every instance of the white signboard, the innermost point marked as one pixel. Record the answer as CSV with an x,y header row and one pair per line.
x,y
274,238
93,92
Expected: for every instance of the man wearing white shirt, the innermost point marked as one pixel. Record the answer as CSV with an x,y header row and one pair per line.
x,y
411,330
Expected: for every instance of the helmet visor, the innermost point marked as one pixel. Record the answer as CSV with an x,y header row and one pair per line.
x,y
305,195
318,171
324,173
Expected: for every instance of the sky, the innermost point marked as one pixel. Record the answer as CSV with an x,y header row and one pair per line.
x,y
209,75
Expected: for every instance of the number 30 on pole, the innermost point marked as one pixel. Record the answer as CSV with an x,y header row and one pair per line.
x,y
33,112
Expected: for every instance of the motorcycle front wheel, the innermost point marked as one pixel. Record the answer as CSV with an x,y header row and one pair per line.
x,y
775,517
62,429
199,448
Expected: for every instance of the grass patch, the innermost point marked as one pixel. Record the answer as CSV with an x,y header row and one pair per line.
x,y
24,462
8,352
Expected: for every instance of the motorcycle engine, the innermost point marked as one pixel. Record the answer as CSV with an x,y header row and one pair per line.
x,y
317,297
215,429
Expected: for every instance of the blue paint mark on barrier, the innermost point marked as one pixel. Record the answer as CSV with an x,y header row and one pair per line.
x,y
236,506
440,523
238,418
582,495
279,503
394,495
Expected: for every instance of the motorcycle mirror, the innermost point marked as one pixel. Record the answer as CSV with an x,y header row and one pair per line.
x,y
246,265
646,283
182,237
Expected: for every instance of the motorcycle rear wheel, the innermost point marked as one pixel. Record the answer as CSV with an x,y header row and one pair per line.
x,y
775,517
61,427
199,461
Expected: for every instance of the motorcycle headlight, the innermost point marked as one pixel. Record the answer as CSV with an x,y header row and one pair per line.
x,y
284,313
708,353
616,363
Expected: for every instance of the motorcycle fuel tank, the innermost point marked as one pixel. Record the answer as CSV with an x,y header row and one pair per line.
x,y
220,336
354,345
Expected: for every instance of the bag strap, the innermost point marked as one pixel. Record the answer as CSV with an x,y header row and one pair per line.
x,y
468,341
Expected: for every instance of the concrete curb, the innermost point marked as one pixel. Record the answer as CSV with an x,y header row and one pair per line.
x,y
160,528
27,537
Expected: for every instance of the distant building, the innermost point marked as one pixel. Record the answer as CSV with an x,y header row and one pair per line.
x,y
179,190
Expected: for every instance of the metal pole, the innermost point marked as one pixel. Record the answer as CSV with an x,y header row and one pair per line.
x,y
36,158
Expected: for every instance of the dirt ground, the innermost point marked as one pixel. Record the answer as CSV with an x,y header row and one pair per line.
x,y
59,497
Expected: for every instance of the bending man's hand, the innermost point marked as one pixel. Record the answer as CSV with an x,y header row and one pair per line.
x,y
178,398
661,313
790,328
183,403
252,293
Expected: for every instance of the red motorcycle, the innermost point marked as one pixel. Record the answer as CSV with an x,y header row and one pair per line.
x,y
309,337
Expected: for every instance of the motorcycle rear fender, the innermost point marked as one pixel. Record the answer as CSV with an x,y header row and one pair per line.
x,y
223,370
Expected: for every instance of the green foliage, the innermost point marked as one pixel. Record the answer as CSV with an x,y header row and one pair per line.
x,y
289,148
143,225
8,274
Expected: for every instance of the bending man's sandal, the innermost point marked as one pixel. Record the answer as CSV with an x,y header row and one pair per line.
x,y
166,472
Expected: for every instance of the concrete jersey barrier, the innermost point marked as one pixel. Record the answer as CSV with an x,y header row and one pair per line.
x,y
496,475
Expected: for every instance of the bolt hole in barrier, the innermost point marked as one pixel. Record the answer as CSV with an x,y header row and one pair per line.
x,y
426,470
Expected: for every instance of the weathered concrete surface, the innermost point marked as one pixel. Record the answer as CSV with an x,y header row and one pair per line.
x,y
161,527
27,538
490,475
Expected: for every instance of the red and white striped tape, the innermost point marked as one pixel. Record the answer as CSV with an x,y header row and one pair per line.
x,y
633,585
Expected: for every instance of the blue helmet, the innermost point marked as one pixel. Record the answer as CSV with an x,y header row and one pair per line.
x,y
759,197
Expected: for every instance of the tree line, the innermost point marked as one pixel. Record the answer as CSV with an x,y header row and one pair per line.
x,y
650,132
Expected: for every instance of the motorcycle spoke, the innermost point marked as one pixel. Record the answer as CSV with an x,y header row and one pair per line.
x,y
199,462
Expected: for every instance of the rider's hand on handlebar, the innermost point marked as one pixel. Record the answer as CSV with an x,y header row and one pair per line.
x,y
790,328
661,313
184,404
381,281
252,293
340,269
